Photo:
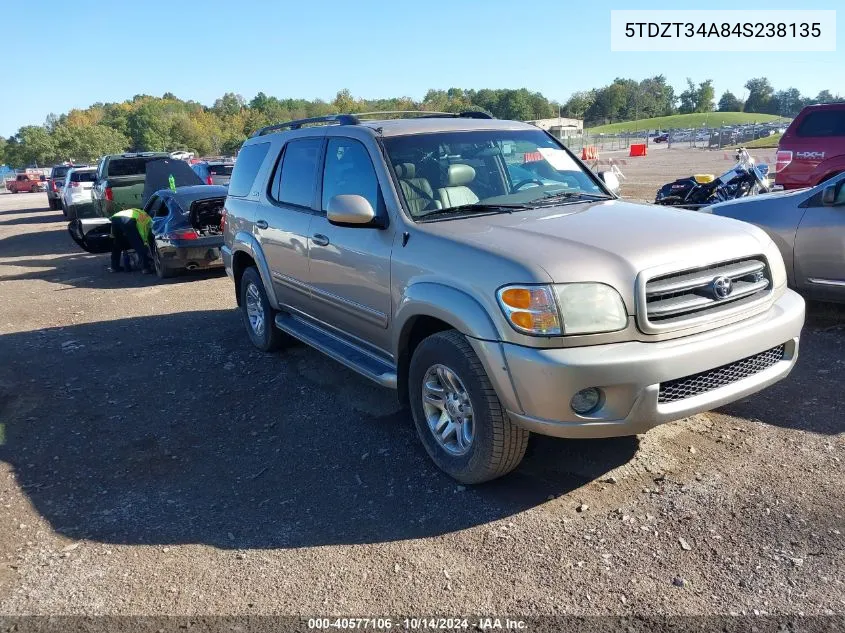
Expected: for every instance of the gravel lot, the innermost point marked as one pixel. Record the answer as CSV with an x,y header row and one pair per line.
x,y
152,462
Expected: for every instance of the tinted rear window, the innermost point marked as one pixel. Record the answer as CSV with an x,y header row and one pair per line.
x,y
59,172
220,170
130,166
823,123
296,178
246,168
83,176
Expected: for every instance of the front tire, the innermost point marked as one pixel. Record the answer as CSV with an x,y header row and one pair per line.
x,y
459,419
257,313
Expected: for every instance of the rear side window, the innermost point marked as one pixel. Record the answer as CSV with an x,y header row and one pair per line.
x,y
129,166
295,179
349,170
823,123
246,168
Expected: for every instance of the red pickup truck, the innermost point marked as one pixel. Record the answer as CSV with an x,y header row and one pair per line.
x,y
29,183
813,147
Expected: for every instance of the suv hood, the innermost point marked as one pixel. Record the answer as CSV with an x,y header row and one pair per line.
x,y
609,241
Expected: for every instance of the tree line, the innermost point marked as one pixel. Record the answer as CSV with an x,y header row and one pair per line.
x,y
167,123
628,100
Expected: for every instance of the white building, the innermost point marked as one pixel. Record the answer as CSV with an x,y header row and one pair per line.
x,y
559,126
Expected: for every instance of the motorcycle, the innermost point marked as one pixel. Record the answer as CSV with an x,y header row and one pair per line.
x,y
743,179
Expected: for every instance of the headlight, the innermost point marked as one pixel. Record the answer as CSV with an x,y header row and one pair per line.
x,y
590,308
530,309
579,308
775,259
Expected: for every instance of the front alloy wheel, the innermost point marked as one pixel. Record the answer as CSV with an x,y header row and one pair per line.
x,y
459,419
448,409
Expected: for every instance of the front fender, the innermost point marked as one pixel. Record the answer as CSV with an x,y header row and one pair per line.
x,y
246,243
465,314
447,304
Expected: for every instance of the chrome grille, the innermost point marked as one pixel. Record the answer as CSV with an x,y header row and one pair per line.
x,y
675,297
690,386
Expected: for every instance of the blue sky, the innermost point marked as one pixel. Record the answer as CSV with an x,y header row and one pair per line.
x,y
199,50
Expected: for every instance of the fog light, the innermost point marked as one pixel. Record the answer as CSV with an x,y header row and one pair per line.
x,y
586,400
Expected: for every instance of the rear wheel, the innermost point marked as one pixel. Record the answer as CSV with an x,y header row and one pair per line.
x,y
162,271
458,416
257,313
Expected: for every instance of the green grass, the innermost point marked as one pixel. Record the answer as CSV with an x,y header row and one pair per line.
x,y
761,143
707,119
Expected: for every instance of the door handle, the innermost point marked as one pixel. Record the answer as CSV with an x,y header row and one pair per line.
x,y
261,224
319,239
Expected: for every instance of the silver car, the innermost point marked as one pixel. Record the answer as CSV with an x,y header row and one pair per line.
x,y
407,250
808,226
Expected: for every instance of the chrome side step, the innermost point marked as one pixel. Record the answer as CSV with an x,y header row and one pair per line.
x,y
357,359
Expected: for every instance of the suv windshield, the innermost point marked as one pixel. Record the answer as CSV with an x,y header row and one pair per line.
x,y
452,172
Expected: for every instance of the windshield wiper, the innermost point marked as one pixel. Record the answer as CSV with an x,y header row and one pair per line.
x,y
565,195
472,208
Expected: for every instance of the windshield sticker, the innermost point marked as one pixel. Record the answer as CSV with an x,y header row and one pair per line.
x,y
558,159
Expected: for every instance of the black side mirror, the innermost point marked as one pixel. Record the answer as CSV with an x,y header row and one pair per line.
x,y
831,193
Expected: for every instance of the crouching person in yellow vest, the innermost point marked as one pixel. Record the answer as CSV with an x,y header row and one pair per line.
x,y
131,229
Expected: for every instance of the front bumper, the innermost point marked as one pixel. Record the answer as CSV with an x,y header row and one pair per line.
x,y
543,381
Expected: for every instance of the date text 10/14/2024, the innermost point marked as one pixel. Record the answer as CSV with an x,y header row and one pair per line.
x,y
417,624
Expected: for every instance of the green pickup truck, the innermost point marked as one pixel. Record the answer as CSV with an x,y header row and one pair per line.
x,y
120,182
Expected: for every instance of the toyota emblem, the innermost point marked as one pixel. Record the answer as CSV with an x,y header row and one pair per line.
x,y
721,287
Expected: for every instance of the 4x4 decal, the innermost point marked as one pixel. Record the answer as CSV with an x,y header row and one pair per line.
x,y
810,155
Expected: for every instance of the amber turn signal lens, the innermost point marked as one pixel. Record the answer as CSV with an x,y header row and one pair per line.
x,y
524,320
519,298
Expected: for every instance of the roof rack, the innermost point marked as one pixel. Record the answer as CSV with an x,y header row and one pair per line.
x,y
428,114
337,119
355,119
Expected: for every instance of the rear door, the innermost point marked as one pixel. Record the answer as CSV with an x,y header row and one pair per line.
x,y
282,227
350,266
816,136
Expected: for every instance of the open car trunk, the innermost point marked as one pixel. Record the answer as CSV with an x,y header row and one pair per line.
x,y
206,215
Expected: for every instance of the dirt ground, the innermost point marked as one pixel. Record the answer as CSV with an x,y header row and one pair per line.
x,y
151,461
643,176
